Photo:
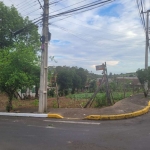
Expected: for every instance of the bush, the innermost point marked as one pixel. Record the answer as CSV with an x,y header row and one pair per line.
x,y
100,100
51,92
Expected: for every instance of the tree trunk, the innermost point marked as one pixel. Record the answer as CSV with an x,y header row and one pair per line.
x,y
9,105
36,91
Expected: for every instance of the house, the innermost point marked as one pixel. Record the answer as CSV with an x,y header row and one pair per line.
x,y
130,80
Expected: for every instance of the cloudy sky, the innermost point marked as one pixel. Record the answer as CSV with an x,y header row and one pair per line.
x,y
111,33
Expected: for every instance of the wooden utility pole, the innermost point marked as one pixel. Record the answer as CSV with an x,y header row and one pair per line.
x,y
107,86
104,80
44,60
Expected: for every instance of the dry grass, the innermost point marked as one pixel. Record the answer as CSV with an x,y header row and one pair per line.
x,y
33,104
3,101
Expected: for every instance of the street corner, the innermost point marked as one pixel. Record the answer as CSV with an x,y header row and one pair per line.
x,y
57,116
120,116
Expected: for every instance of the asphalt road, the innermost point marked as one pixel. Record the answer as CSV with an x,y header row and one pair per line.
x,y
22,133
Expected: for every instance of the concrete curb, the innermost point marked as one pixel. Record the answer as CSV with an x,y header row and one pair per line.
x,y
90,117
31,115
22,114
120,116
55,116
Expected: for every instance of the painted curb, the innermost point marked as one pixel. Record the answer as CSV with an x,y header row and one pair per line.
x,y
55,116
119,116
22,114
31,115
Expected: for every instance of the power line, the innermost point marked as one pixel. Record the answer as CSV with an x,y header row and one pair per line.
x,y
79,9
66,30
82,8
139,7
26,5
40,4
29,7
75,34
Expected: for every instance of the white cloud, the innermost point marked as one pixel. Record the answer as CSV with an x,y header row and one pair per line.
x,y
112,63
95,37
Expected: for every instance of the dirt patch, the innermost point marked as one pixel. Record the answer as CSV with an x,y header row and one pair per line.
x,y
74,108
3,101
33,103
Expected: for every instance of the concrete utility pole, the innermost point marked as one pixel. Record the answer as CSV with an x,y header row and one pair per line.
x,y
146,49
44,60
147,39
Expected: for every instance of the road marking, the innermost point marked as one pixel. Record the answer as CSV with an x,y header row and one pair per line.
x,y
73,122
47,127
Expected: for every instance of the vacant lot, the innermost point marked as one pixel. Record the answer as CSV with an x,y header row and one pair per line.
x,y
71,101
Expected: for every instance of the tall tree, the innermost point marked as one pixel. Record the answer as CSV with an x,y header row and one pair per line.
x,y
83,75
64,80
10,24
15,69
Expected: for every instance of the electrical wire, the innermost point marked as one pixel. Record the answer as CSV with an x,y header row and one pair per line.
x,y
41,5
23,10
66,30
78,35
86,7
21,3
26,5
141,18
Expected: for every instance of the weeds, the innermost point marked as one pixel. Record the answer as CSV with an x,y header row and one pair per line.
x,y
54,104
100,99
35,102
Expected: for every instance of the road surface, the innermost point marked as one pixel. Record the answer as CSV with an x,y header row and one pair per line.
x,y
22,133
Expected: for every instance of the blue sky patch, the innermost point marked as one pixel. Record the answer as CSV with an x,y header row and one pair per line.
x,y
60,43
111,10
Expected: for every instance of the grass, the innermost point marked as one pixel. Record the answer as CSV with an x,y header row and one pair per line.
x,y
100,98
80,96
70,101
35,103
116,95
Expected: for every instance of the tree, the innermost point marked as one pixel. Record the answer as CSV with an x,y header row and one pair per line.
x,y
142,75
110,75
11,23
16,65
92,85
64,80
83,75
76,82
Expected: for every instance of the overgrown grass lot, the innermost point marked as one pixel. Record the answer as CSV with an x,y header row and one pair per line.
x,y
71,101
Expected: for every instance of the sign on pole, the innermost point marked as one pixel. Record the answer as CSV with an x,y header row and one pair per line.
x,y
100,67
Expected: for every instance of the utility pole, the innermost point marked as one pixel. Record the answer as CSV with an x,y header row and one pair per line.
x,y
44,60
146,50
147,39
107,86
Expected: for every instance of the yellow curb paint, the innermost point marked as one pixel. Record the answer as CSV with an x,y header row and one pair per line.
x,y
115,117
55,116
128,115
138,113
119,116
94,117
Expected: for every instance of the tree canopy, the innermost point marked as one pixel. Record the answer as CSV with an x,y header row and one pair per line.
x,y
16,69
19,63
10,22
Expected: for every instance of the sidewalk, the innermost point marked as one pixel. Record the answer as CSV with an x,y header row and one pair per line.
x,y
128,105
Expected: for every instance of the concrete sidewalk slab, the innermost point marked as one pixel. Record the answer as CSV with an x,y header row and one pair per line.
x,y
127,105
